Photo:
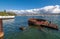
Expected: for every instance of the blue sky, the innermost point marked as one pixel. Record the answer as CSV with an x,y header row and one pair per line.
x,y
26,4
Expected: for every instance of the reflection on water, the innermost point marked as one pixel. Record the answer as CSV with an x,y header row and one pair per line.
x,y
11,28
8,21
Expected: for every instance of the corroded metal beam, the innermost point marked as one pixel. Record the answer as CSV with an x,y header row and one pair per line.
x,y
1,29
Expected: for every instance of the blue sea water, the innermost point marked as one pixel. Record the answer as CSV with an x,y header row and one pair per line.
x,y
11,28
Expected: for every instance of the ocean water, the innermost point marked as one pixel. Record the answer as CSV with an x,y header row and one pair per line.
x,y
11,28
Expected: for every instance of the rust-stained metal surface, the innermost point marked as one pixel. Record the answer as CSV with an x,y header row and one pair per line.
x,y
42,23
1,29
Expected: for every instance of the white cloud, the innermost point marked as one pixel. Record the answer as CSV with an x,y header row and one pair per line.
x,y
46,9
51,9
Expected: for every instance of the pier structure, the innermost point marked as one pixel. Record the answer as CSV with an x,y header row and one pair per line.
x,y
1,29
1,24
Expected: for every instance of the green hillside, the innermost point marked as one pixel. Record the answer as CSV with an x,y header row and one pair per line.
x,y
7,14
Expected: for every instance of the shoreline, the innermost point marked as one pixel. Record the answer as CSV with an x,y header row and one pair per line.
x,y
38,15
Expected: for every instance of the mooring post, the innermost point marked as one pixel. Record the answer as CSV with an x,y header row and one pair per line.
x,y
1,29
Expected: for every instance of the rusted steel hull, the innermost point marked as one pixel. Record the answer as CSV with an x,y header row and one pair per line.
x,y
42,23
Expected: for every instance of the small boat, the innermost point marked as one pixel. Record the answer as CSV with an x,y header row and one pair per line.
x,y
42,23
22,28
